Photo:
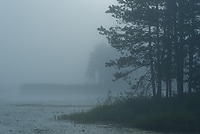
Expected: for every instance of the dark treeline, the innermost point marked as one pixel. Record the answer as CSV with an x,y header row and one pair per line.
x,y
161,37
48,86
67,87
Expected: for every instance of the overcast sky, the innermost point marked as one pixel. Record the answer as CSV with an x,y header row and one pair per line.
x,y
49,41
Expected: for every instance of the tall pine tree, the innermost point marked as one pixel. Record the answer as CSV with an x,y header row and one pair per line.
x,y
159,35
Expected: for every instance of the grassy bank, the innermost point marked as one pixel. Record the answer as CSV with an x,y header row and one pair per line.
x,y
166,114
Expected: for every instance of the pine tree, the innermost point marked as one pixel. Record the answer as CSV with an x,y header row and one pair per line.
x,y
159,35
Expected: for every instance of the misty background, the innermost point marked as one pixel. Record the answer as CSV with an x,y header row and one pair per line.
x,y
49,41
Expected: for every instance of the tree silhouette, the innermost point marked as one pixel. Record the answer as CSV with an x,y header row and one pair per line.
x,y
97,71
161,36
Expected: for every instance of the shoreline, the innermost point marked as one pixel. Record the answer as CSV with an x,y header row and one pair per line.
x,y
159,115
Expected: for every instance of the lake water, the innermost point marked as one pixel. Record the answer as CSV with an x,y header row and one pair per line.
x,y
35,112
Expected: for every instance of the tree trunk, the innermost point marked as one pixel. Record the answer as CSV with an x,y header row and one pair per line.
x,y
151,64
158,53
180,50
191,47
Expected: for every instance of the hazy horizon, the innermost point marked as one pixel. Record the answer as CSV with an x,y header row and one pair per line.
x,y
49,41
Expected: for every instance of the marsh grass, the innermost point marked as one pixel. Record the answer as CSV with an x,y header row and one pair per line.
x,y
165,114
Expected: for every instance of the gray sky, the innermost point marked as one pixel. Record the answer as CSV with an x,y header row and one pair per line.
x,y
49,41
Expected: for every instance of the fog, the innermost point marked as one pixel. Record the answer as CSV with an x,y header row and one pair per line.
x,y
48,41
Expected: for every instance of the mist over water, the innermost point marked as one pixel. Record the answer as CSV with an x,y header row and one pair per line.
x,y
52,96
36,112
49,41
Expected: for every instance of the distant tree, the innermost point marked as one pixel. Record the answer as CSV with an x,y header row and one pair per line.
x,y
97,71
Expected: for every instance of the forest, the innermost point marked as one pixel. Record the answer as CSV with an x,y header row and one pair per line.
x,y
160,37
